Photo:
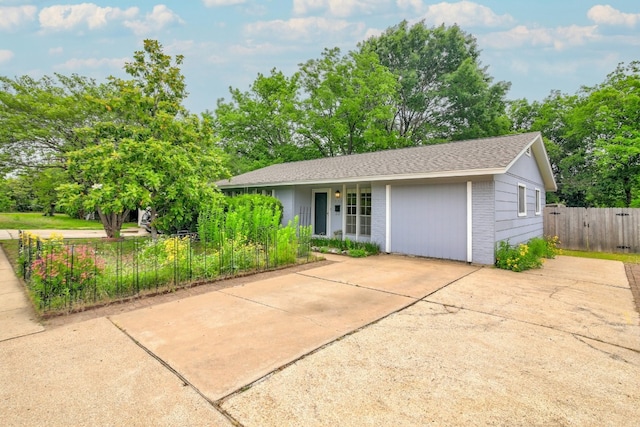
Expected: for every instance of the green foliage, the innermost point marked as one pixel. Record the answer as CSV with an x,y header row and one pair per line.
x,y
357,253
258,127
525,256
39,118
242,217
349,103
37,221
355,249
444,92
59,272
5,200
412,85
149,153
66,275
593,139
21,194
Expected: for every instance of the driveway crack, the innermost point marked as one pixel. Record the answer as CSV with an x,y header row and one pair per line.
x,y
182,378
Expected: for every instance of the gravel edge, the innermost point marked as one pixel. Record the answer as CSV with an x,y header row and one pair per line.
x,y
633,275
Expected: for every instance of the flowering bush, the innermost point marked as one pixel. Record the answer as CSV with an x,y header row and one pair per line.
x,y
526,255
176,249
62,270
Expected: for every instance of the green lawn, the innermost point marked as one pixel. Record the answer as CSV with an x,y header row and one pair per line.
x,y
627,258
37,221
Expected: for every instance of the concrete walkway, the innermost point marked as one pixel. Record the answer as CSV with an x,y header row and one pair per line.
x,y
17,317
384,340
71,234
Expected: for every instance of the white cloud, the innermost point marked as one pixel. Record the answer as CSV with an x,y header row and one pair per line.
x,y
216,3
559,38
5,55
372,32
340,8
159,18
303,28
253,49
12,17
56,50
93,63
67,17
573,67
607,15
464,13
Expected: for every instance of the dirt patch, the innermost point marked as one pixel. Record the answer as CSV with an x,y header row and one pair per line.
x,y
146,301
633,275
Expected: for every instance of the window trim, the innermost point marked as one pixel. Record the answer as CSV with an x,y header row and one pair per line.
x,y
538,201
347,206
522,212
357,192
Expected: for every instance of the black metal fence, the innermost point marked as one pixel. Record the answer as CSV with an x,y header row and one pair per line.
x,y
63,274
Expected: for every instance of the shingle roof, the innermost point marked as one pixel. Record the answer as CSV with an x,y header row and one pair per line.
x,y
461,158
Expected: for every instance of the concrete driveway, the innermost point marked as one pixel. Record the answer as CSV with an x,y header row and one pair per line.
x,y
385,340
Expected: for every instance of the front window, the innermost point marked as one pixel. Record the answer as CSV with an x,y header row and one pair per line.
x,y
538,201
522,200
358,211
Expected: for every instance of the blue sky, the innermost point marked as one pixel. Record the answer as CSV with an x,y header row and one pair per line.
x,y
537,45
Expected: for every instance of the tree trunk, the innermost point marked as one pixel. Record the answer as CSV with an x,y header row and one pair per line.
x,y
112,222
154,231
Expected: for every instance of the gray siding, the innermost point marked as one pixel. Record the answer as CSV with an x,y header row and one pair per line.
x,y
379,215
510,226
302,204
286,197
430,220
336,217
483,222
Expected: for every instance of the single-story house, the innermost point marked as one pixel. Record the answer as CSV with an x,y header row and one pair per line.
x,y
452,201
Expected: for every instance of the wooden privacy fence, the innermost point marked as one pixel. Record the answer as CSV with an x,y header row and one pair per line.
x,y
594,229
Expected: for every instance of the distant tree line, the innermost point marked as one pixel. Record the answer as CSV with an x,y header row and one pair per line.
x,y
412,85
70,143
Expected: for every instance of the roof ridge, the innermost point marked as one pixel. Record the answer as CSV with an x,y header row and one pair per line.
x,y
481,156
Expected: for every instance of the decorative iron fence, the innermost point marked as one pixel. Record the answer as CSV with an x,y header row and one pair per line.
x,y
62,274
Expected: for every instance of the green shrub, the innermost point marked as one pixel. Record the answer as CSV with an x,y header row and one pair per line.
x,y
525,256
357,253
324,244
244,216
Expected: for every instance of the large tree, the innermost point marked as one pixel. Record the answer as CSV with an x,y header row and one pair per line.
x,y
152,153
569,155
444,92
593,139
39,118
259,127
607,119
348,100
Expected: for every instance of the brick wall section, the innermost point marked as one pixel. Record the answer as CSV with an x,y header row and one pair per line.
x,y
483,220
